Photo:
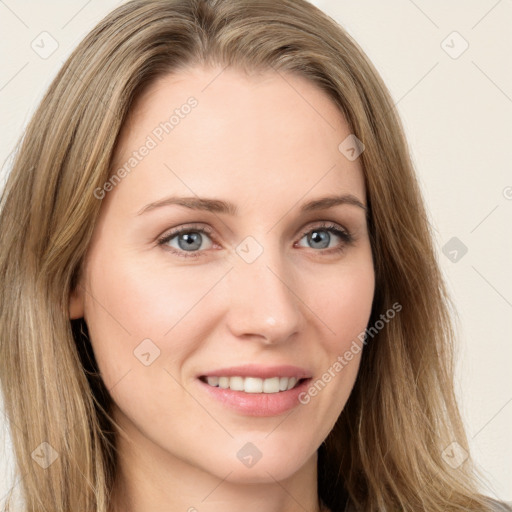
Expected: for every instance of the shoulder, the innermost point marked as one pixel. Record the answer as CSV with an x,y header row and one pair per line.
x,y
497,506
500,506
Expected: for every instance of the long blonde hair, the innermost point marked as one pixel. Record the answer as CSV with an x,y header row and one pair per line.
x,y
386,449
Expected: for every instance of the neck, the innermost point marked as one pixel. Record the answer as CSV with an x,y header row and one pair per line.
x,y
149,479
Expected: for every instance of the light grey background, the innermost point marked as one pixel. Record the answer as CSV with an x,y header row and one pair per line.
x,y
456,106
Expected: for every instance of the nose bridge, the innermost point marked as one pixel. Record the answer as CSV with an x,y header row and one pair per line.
x,y
263,302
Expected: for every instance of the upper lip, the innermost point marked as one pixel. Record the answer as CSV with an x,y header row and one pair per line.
x,y
263,372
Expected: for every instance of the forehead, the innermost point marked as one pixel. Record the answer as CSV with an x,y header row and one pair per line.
x,y
231,98
269,133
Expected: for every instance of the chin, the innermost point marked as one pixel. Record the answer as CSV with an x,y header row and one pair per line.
x,y
272,463
262,472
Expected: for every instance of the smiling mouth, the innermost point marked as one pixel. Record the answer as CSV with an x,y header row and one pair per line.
x,y
253,384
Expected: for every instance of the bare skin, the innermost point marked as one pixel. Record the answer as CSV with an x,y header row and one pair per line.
x,y
267,143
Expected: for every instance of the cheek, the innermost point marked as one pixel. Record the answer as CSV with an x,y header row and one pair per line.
x,y
343,301
343,306
148,301
134,309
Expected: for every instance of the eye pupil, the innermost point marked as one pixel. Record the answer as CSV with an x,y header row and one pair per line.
x,y
317,236
192,241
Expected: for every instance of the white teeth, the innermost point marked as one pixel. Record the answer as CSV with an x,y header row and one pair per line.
x,y
292,382
224,382
271,385
236,383
254,384
213,381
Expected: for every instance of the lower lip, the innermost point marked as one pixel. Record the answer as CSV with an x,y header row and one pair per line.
x,y
257,404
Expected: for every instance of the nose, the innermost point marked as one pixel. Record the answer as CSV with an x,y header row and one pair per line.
x,y
263,303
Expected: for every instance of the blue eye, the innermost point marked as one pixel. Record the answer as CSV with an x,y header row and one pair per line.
x,y
190,238
319,235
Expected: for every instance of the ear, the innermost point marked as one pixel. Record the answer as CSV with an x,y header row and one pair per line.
x,y
76,302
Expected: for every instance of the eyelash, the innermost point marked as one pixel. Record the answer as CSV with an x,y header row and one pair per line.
x,y
345,236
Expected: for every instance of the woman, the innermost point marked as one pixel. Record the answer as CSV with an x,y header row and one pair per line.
x,y
173,338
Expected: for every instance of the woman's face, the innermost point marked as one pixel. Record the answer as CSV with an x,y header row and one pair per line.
x,y
268,292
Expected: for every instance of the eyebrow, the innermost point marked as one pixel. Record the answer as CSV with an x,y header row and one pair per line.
x,y
220,206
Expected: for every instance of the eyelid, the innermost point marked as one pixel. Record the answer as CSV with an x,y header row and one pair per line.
x,y
327,225
346,235
169,235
